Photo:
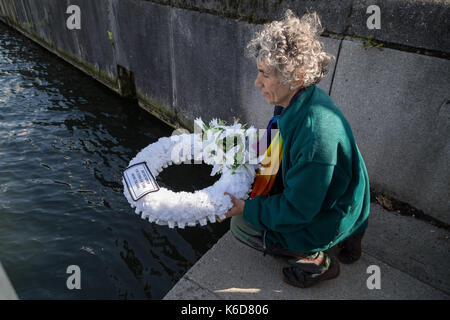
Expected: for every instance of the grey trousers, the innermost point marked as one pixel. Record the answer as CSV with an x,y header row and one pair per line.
x,y
249,235
246,233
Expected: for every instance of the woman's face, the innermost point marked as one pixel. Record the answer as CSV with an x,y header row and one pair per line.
x,y
271,88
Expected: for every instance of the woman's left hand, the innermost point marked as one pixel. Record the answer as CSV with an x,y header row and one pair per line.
x,y
237,209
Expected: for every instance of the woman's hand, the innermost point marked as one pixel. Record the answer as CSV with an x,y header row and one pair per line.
x,y
237,209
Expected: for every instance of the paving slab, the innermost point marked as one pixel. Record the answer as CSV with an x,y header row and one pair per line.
x,y
393,243
410,245
7,291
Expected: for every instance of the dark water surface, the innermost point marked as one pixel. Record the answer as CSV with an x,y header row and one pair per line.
x,y
64,142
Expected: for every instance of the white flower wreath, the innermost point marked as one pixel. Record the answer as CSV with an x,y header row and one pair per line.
x,y
226,148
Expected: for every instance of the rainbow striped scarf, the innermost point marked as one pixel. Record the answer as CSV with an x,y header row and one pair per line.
x,y
266,175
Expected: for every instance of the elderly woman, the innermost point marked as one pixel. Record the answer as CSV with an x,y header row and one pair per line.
x,y
319,196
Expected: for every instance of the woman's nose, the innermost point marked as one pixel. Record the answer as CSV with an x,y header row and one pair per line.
x,y
257,82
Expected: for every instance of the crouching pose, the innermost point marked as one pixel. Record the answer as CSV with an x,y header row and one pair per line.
x,y
314,193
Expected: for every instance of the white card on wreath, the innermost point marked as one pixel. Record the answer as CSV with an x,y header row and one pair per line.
x,y
139,180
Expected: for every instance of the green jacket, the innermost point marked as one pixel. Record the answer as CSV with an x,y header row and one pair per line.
x,y
326,195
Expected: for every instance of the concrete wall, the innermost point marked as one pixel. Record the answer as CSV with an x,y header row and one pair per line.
x,y
414,23
187,61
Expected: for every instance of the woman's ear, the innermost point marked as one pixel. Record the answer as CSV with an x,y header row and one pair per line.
x,y
301,75
299,83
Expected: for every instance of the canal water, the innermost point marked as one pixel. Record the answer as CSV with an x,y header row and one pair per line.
x,y
65,140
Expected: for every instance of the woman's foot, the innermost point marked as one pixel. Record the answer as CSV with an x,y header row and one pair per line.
x,y
307,272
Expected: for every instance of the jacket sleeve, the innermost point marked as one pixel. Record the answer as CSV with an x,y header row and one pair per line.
x,y
306,186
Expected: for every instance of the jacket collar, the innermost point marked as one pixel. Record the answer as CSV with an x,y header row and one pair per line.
x,y
294,108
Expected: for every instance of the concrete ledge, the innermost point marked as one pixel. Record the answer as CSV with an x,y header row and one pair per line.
x,y
412,257
7,291
419,24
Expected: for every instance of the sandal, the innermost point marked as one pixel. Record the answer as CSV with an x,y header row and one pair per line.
x,y
305,275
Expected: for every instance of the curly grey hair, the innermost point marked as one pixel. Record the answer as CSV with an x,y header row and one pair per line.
x,y
291,45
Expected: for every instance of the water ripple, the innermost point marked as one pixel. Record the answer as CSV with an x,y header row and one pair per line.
x,y
64,142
